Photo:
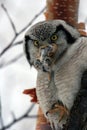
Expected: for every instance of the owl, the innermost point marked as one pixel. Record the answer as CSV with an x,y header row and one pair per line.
x,y
58,52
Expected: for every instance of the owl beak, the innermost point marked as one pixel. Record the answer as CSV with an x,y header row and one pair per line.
x,y
54,48
48,50
46,55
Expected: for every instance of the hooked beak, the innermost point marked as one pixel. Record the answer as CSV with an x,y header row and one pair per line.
x,y
46,56
47,50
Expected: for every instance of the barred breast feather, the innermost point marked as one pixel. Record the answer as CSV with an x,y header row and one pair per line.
x,y
45,91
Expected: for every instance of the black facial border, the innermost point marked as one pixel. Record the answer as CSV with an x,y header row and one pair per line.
x,y
70,38
27,38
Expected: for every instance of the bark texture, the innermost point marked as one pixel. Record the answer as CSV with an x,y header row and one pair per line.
x,y
63,9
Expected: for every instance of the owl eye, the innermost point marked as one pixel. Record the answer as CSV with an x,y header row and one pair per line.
x,y
54,37
36,43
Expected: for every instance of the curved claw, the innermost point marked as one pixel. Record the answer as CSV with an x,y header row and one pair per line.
x,y
59,108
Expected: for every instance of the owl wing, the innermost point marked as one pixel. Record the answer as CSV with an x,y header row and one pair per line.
x,y
68,76
67,83
78,113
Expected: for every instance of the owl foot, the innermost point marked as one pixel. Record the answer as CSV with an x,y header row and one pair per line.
x,y
61,109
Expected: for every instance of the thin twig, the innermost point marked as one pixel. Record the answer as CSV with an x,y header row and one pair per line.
x,y
20,32
12,23
35,17
7,47
16,120
17,43
11,61
13,115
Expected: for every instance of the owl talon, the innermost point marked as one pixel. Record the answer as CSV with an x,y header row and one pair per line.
x,y
61,109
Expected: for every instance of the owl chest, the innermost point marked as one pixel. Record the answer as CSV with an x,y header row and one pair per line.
x,y
45,92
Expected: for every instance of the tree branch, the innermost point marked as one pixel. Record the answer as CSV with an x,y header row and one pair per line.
x,y
7,47
11,22
16,120
18,43
20,32
35,17
16,58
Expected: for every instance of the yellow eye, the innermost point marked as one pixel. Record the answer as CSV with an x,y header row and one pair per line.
x,y
54,37
36,43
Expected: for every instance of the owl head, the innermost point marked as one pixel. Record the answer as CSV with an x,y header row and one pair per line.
x,y
47,41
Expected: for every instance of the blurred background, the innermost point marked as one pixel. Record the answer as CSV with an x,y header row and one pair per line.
x,y
16,16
